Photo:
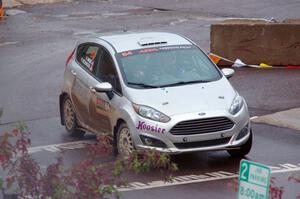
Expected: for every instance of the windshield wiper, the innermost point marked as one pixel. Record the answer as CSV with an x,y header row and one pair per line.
x,y
184,82
142,85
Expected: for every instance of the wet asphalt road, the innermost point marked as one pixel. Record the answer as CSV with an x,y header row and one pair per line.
x,y
272,146
32,66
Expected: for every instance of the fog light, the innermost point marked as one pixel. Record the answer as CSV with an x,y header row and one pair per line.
x,y
243,133
148,141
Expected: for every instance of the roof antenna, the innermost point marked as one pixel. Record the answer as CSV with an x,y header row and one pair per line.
x,y
125,29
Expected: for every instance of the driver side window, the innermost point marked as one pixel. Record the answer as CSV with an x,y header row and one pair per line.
x,y
106,71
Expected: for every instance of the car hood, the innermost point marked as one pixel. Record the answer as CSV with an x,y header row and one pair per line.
x,y
200,97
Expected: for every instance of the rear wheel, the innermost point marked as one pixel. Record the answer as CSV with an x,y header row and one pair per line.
x,y
125,145
70,120
243,150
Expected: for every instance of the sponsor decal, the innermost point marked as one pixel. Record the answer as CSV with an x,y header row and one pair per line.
x,y
128,53
88,62
149,50
154,50
176,47
102,105
146,127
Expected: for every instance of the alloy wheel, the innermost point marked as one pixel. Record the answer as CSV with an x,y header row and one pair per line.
x,y
125,143
69,115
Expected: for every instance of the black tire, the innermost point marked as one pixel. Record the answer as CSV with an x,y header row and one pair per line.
x,y
70,120
243,150
124,134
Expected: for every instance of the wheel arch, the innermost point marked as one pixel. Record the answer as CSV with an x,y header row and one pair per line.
x,y
62,97
116,127
115,135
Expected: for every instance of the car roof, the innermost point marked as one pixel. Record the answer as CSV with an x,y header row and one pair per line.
x,y
131,41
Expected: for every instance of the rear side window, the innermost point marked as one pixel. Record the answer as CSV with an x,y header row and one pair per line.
x,y
87,56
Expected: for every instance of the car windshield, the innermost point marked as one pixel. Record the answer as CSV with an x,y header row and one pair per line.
x,y
166,66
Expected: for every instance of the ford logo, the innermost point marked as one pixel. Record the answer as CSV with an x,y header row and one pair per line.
x,y
201,114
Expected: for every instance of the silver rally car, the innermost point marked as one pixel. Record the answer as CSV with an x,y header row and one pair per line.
x,y
153,90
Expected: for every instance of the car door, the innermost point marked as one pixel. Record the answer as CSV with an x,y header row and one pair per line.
x,y
103,109
86,59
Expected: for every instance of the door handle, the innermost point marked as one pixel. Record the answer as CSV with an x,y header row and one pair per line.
x,y
92,89
73,72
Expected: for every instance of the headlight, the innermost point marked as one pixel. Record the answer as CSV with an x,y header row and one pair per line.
x,y
150,113
236,105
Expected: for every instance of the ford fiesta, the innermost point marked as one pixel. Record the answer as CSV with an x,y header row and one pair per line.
x,y
153,91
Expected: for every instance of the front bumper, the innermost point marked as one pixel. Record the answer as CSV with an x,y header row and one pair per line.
x,y
173,150
161,132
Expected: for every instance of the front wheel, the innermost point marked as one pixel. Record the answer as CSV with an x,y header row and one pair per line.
x,y
70,120
243,150
125,145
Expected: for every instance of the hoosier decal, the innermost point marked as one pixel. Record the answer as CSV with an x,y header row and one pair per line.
x,y
146,127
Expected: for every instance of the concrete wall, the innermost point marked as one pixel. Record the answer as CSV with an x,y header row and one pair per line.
x,y
256,42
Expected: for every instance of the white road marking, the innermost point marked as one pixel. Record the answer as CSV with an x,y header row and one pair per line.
x,y
60,147
288,166
254,117
51,149
159,184
286,170
274,168
84,33
137,184
8,43
207,177
218,174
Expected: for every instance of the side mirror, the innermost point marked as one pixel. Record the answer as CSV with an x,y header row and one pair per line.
x,y
228,72
103,87
106,88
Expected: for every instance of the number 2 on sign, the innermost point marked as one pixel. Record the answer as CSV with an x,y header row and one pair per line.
x,y
244,170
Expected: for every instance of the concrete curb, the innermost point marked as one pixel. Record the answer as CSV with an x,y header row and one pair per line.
x,y
287,119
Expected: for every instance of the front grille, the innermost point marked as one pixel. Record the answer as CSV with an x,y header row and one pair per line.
x,y
206,143
201,126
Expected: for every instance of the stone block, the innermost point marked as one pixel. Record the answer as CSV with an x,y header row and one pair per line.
x,y
257,41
